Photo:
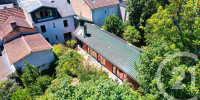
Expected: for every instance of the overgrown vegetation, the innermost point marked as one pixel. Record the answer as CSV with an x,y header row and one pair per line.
x,y
114,25
93,83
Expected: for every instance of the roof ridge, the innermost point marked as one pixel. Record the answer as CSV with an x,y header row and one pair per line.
x,y
112,37
27,44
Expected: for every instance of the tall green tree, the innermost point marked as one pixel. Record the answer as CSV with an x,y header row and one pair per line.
x,y
103,89
69,62
30,75
171,30
131,34
141,10
114,25
7,87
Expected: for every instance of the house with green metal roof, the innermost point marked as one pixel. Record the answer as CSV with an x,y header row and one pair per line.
x,y
117,55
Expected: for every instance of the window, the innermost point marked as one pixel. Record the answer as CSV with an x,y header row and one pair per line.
x,y
111,11
114,69
56,37
43,13
54,25
47,39
99,15
65,23
67,36
43,28
5,7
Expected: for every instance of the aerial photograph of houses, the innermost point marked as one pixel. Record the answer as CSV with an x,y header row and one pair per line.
x,y
99,50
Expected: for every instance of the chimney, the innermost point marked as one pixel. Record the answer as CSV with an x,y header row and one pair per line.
x,y
85,31
13,24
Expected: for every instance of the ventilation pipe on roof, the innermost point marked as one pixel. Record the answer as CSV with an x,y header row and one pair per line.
x,y
85,31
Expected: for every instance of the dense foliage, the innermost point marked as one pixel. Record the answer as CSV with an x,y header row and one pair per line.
x,y
103,89
59,49
114,25
171,30
131,35
7,88
30,75
71,43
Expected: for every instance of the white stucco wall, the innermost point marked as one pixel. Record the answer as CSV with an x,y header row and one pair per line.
x,y
6,5
59,29
99,15
37,59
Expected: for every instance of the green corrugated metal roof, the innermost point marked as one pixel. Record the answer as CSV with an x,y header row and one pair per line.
x,y
114,49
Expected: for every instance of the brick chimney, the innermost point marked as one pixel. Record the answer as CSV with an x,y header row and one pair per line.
x,y
13,24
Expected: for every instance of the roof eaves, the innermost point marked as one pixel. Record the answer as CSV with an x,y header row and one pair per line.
x,y
40,7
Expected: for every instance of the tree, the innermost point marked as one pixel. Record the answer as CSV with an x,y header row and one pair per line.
x,y
179,23
114,25
59,49
71,43
141,10
131,34
7,88
21,94
104,89
171,30
69,62
30,75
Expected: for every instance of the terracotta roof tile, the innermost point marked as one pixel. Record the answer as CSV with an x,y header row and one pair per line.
x,y
101,3
37,43
24,46
6,27
5,13
17,50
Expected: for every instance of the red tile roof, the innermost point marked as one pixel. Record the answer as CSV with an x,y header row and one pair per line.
x,y
6,26
5,13
101,3
24,46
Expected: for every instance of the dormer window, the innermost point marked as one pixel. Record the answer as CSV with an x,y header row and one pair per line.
x,y
43,14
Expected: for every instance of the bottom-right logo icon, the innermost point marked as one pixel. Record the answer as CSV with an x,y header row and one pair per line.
x,y
177,84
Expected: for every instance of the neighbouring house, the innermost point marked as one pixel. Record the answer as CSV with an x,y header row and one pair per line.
x,y
21,42
96,10
123,8
118,56
54,19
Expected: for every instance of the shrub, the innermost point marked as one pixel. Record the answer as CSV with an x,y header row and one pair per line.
x,y
60,89
59,50
39,87
30,75
21,94
131,34
17,76
114,25
43,82
69,62
71,43
7,88
89,72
